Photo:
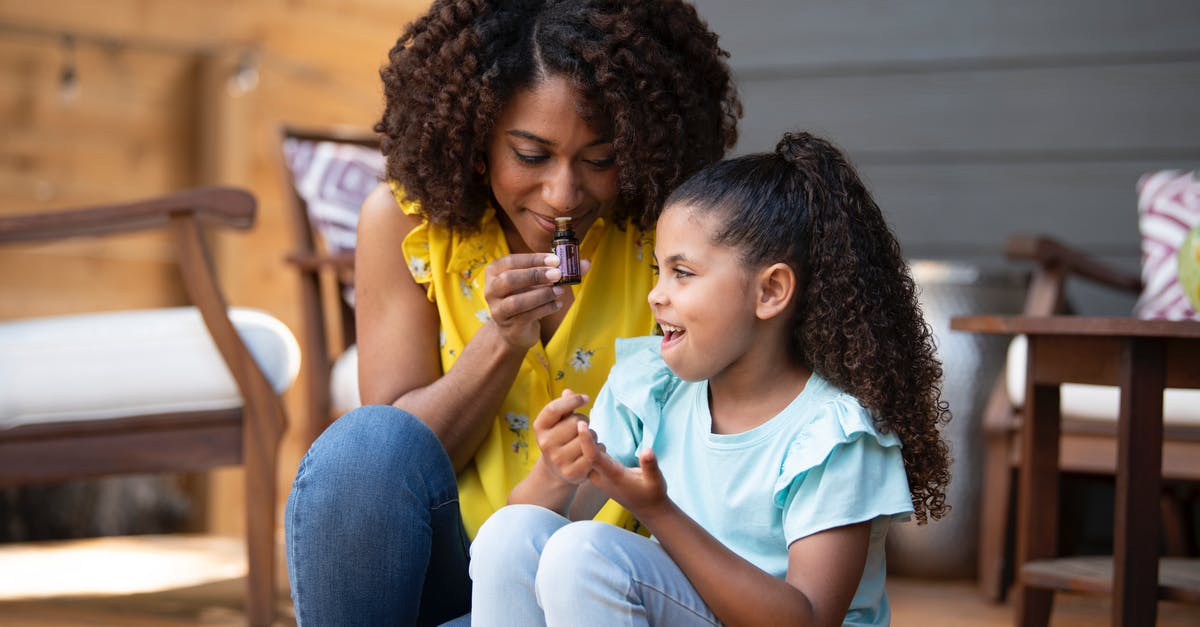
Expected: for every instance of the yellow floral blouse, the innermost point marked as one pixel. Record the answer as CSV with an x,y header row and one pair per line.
x,y
609,303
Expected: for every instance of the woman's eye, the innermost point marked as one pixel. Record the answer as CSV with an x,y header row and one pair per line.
x,y
529,158
603,164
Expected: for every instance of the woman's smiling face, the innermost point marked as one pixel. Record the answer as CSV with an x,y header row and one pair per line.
x,y
703,299
545,161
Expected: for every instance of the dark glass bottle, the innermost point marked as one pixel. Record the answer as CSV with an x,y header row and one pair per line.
x,y
566,248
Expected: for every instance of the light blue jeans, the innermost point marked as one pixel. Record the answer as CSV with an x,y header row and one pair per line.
x,y
373,530
531,566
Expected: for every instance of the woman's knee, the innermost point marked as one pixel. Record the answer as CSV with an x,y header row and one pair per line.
x,y
372,447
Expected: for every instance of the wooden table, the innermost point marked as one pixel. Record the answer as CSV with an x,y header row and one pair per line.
x,y
1142,357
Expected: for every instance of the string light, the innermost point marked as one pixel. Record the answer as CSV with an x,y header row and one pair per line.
x,y
68,76
245,75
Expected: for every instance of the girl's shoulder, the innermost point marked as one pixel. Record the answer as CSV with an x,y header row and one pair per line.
x,y
640,379
832,418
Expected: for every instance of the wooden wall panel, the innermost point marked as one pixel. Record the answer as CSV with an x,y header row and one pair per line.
x,y
156,111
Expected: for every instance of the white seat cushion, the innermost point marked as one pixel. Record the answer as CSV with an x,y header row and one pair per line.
x,y
1097,402
343,382
130,363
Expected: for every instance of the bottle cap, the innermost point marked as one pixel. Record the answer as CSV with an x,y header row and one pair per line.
x,y
562,223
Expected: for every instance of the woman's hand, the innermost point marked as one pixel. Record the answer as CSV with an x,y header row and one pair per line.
x,y
520,291
557,429
641,490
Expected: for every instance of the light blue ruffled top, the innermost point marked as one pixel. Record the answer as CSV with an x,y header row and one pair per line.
x,y
818,464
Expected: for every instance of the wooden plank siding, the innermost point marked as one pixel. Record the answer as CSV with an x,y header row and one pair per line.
x,y
155,112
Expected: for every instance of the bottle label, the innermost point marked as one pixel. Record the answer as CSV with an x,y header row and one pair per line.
x,y
568,261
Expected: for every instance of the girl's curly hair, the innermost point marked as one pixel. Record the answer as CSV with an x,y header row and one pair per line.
x,y
651,75
858,322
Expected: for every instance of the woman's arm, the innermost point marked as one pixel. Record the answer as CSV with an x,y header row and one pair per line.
x,y
824,569
398,328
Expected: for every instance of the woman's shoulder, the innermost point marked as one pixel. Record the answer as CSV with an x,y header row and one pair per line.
x,y
386,205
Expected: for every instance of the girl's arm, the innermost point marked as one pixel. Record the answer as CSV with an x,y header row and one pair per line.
x,y
824,569
558,480
398,328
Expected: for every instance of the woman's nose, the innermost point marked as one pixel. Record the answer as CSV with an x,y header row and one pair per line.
x,y
561,189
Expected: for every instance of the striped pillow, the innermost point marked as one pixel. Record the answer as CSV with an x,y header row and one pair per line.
x,y
333,178
1168,207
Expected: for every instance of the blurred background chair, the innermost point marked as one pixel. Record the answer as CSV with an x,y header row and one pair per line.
x,y
1089,432
329,172
152,391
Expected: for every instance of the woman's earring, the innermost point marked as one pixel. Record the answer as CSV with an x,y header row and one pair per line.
x,y
481,167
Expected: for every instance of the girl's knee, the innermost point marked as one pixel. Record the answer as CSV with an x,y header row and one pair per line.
x,y
514,534
578,553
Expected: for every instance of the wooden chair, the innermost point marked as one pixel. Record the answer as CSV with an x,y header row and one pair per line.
x,y
1082,445
51,448
325,267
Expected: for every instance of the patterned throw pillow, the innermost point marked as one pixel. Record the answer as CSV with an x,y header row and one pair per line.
x,y
333,178
1168,207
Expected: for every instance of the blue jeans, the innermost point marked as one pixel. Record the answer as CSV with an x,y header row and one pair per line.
x,y
373,530
531,566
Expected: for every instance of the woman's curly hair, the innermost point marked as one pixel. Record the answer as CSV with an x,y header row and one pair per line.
x,y
858,323
651,76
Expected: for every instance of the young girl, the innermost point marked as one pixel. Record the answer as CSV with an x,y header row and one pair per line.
x,y
786,417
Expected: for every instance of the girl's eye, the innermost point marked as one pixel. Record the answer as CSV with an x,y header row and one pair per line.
x,y
680,273
654,269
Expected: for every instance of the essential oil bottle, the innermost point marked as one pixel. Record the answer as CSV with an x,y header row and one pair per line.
x,y
566,248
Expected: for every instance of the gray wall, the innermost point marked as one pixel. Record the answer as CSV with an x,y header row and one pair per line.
x,y
972,121
975,120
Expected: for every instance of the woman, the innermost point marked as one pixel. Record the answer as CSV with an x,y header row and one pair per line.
x,y
500,116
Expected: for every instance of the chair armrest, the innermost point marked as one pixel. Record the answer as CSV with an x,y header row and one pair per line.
x,y
182,214
312,262
223,206
1050,253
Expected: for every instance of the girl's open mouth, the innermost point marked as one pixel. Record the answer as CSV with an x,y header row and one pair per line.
x,y
671,333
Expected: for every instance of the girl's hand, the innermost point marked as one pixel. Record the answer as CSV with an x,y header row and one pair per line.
x,y
641,490
556,430
520,291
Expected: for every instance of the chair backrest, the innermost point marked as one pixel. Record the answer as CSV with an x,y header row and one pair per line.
x,y
329,172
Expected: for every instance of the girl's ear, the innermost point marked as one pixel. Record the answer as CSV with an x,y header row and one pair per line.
x,y
776,287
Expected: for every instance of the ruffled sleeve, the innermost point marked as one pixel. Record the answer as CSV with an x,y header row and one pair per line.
x,y
839,471
416,243
628,410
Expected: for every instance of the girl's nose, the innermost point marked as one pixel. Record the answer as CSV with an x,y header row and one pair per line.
x,y
561,189
656,296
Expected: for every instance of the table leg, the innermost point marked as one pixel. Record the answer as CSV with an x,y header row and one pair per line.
x,y
1137,518
1037,507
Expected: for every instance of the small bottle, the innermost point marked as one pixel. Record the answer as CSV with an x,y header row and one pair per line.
x,y
566,248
